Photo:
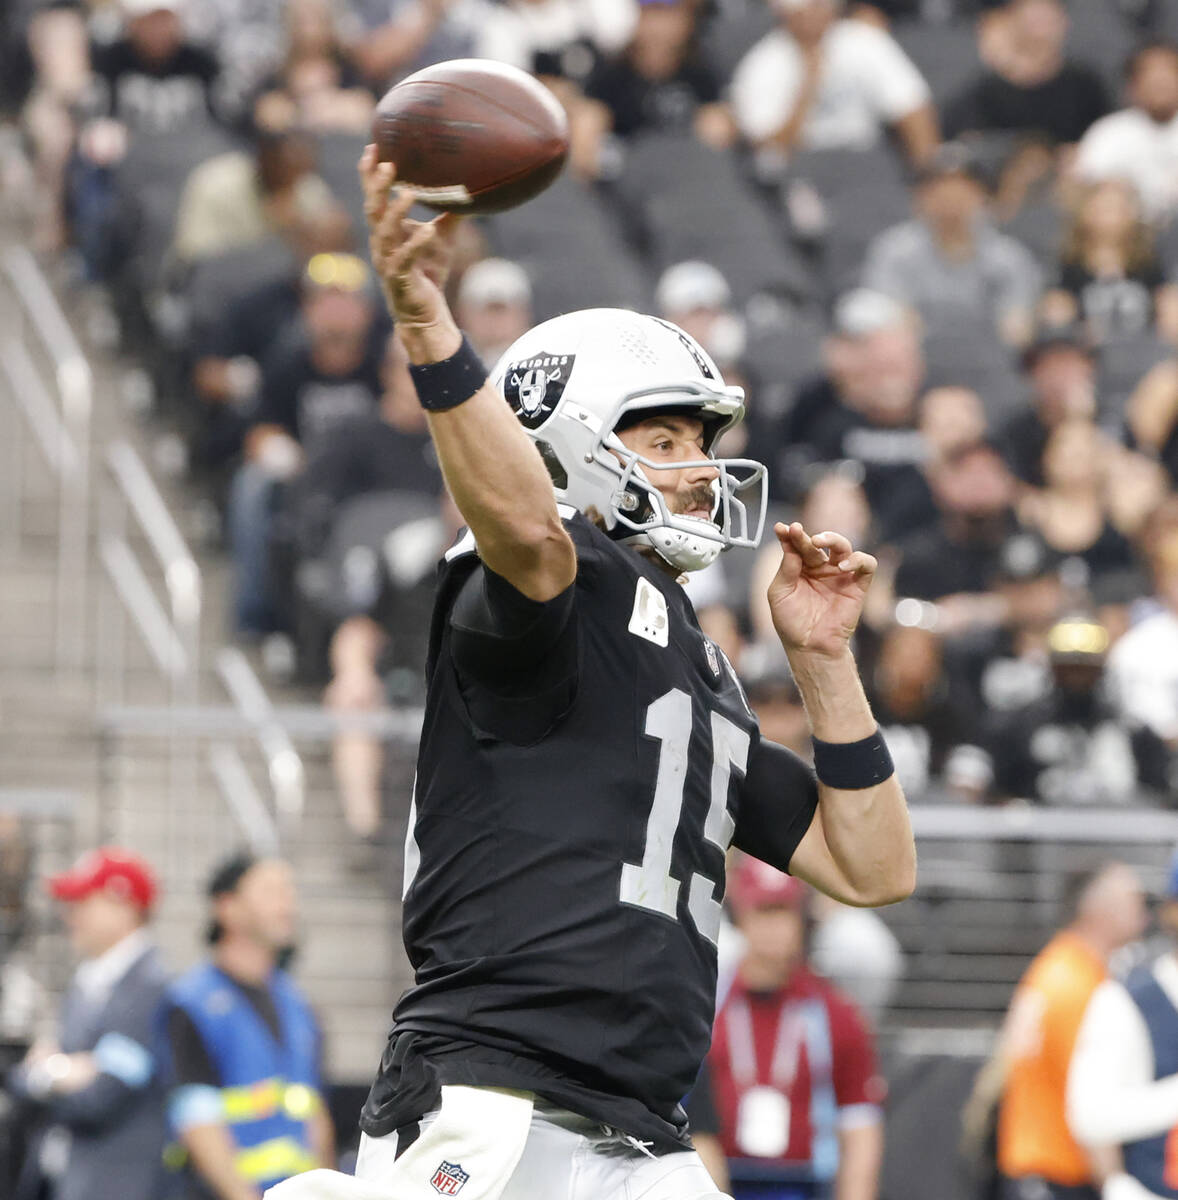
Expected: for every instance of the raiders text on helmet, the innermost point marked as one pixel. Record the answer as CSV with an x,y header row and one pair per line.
x,y
574,379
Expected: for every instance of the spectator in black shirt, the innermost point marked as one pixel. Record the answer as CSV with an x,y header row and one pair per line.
x,y
954,563
1070,747
1110,275
657,84
228,346
370,609
863,409
1030,86
1061,369
152,80
326,371
923,713
1070,511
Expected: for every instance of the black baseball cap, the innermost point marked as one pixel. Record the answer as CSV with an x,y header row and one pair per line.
x,y
225,878
1052,337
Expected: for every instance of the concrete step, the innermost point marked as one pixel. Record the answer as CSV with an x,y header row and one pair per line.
x,y
351,959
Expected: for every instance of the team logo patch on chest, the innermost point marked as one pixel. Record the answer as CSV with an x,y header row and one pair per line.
x,y
449,1178
649,619
534,386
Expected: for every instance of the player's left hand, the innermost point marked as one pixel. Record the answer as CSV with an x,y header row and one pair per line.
x,y
817,595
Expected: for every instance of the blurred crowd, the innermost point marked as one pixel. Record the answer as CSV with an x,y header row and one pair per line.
x,y
933,239
217,1083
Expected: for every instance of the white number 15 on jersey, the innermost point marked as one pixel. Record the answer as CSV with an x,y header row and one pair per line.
x,y
650,884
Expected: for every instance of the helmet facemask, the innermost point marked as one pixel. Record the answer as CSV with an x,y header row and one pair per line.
x,y
639,513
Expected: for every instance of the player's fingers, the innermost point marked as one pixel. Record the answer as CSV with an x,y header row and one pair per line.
x,y
860,564
377,192
409,252
394,228
835,544
377,178
791,561
812,556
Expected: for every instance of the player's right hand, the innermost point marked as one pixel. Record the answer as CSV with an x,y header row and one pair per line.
x,y
412,259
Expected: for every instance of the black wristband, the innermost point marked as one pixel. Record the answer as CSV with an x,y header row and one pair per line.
x,y
451,382
851,766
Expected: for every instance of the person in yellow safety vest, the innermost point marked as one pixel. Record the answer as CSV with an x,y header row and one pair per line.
x,y
245,1103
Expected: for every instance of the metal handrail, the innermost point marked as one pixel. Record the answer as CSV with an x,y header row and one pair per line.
x,y
304,721
1022,823
30,393
242,799
285,767
40,802
157,632
181,574
74,382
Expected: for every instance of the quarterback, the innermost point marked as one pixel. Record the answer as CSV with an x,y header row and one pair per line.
x,y
588,756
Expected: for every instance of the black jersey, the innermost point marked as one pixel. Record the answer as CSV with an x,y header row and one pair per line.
x,y
565,877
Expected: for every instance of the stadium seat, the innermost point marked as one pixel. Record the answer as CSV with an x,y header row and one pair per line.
x,y
1039,226
338,154
693,204
781,354
733,29
863,192
962,353
345,577
149,184
571,250
1101,36
216,282
946,54
1123,363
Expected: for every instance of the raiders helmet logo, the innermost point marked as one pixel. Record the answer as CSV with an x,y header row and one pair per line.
x,y
534,386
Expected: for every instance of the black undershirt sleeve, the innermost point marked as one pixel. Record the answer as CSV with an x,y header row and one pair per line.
x,y
516,658
778,800
191,1062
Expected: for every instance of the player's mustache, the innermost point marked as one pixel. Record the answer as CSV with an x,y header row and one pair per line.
x,y
699,496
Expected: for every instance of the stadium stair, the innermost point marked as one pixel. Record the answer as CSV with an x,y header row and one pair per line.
x,y
157,795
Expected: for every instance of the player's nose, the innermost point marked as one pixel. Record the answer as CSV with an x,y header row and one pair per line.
x,y
703,472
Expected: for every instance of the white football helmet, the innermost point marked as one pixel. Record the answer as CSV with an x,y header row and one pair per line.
x,y
573,379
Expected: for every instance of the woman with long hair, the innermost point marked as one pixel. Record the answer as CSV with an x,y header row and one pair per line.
x,y
1110,277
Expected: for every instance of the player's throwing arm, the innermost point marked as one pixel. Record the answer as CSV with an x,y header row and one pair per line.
x,y
492,468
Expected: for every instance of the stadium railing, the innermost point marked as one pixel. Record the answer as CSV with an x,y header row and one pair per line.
x,y
990,887
171,637
59,417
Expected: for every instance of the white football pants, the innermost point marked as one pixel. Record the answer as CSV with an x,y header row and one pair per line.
x,y
493,1144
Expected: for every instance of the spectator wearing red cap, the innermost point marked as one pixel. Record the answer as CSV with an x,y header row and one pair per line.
x,y
98,1085
790,1085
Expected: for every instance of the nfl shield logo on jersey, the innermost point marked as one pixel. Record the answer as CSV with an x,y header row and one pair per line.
x,y
449,1178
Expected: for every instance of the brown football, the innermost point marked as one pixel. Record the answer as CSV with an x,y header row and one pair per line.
x,y
472,135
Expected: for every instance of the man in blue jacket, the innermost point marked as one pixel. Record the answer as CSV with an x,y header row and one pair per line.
x,y
99,1085
246,1101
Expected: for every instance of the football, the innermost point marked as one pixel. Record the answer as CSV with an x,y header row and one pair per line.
x,y
472,136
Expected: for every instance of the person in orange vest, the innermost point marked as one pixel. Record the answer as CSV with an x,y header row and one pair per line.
x,y
1038,1158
